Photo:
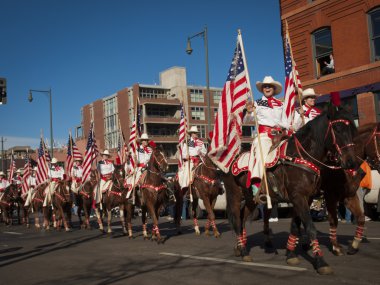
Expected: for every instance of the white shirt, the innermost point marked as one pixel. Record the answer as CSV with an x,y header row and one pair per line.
x,y
266,115
196,147
56,172
17,180
32,182
308,116
4,183
105,167
77,171
331,64
144,154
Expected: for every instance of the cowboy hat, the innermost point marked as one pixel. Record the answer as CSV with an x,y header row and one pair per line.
x,y
309,92
2,173
193,129
143,137
105,152
268,80
18,171
34,168
54,160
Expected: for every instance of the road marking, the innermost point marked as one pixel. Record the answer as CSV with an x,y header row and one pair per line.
x,y
373,238
234,261
12,233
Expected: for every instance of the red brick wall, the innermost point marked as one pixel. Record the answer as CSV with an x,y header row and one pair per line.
x,y
99,123
123,106
366,108
86,120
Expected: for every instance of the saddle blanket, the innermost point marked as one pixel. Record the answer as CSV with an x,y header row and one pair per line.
x,y
241,163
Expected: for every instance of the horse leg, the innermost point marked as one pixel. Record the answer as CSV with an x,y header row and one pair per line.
x,y
155,230
291,256
87,212
210,217
129,208
36,217
109,220
331,205
143,219
65,221
195,219
99,217
178,209
353,205
266,228
45,212
122,219
302,207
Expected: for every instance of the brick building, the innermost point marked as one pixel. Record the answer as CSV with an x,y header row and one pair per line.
x,y
350,31
160,112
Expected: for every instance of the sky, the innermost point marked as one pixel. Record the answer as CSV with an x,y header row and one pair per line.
x,y
85,50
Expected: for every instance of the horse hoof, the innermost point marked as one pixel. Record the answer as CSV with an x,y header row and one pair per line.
x,y
68,230
237,251
130,237
293,261
207,233
352,251
217,235
325,270
198,233
247,258
338,251
179,233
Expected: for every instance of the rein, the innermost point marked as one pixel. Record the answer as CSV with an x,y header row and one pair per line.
x,y
374,138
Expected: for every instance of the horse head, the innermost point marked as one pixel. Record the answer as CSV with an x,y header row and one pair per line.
x,y
158,159
339,137
118,176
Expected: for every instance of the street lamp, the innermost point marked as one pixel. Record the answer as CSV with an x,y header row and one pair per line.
x,y
189,50
30,98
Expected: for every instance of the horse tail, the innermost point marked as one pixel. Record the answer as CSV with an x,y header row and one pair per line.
x,y
232,194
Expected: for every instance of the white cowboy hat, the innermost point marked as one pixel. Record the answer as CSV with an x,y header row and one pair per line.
x,y
309,92
144,136
193,129
18,171
105,152
34,168
2,173
268,80
54,160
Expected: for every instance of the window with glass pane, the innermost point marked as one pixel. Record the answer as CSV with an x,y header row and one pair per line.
x,y
202,131
322,51
375,33
196,95
217,95
197,113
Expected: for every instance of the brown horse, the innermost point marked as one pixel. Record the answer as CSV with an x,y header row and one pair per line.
x,y
206,186
7,203
62,204
84,199
341,186
295,179
114,197
37,204
153,191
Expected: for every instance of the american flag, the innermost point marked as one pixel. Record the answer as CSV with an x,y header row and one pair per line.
x,y
26,175
182,134
12,168
47,153
90,155
42,166
121,149
292,82
72,154
133,146
225,143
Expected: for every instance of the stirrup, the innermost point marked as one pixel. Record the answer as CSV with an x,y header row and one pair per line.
x,y
260,198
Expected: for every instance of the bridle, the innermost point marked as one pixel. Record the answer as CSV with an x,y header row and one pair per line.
x,y
160,162
373,138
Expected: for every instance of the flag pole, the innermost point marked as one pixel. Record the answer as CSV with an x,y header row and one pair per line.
x,y
269,201
293,71
135,170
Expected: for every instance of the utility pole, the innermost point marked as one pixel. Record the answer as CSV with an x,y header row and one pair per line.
x,y
2,153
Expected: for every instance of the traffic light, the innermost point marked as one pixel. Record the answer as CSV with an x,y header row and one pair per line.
x,y
3,91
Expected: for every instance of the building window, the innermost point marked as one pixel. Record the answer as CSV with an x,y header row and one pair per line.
x,y
196,95
202,131
197,113
154,93
323,52
110,122
374,26
217,96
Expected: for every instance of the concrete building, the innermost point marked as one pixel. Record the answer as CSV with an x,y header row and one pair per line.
x,y
160,112
350,31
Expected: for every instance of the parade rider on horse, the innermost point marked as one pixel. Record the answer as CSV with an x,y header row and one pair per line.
x,y
4,183
144,152
32,183
195,148
105,168
310,112
269,115
77,174
56,174
17,180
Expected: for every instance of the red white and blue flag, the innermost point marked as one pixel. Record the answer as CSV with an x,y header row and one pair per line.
x,y
12,168
181,135
26,175
292,83
90,154
72,154
225,143
135,133
42,165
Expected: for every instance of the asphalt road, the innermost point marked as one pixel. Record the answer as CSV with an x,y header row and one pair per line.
x,y
30,256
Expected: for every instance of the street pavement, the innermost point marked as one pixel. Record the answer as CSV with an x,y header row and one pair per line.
x,y
31,256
